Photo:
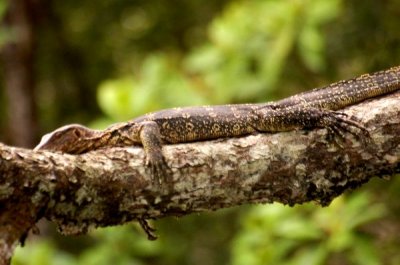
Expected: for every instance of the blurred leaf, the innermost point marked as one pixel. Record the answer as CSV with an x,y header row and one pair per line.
x,y
365,253
243,60
311,48
5,33
40,253
114,97
320,12
309,255
247,54
3,7
306,235
360,211
160,86
119,245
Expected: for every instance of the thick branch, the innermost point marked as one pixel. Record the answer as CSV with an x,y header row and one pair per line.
x,y
111,186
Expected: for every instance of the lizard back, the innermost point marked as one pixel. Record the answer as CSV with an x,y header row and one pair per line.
x,y
187,124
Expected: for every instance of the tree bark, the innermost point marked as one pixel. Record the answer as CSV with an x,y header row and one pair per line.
x,y
112,186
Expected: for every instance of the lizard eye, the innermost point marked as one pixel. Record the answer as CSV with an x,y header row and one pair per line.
x,y
77,133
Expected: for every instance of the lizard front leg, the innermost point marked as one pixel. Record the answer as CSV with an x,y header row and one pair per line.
x,y
150,138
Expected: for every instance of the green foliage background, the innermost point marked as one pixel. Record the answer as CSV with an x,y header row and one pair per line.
x,y
141,56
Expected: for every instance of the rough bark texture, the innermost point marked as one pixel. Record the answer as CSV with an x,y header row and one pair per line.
x,y
111,186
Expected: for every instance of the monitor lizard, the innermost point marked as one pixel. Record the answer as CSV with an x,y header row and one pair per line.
x,y
313,109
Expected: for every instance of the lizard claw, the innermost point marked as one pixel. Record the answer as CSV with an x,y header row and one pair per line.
x,y
338,124
160,171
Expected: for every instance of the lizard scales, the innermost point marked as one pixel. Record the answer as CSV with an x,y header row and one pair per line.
x,y
312,109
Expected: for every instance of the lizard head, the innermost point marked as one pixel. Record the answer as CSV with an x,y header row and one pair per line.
x,y
65,139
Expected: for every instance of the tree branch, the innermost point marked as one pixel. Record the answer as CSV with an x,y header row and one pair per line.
x,y
111,186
